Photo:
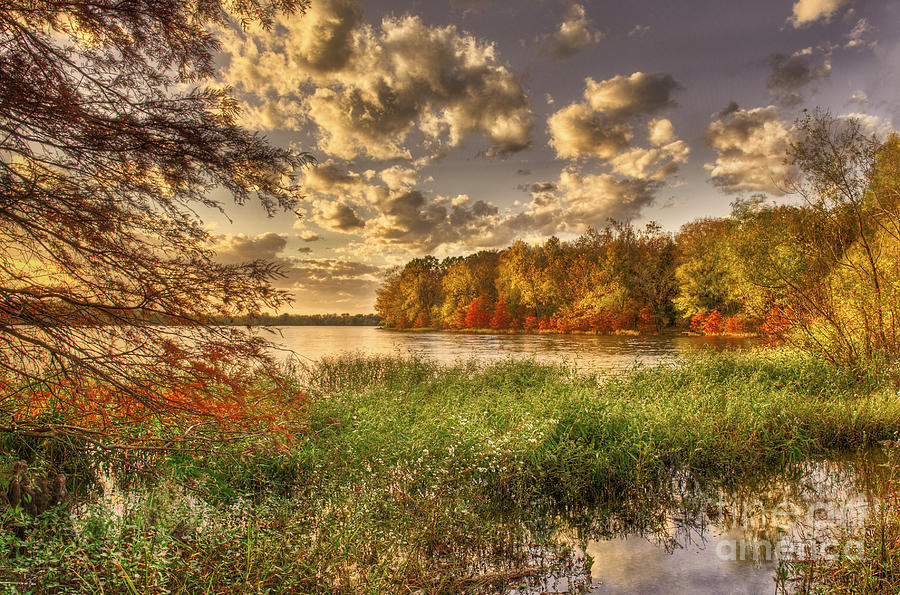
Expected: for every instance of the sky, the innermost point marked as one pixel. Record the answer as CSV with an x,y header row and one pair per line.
x,y
448,127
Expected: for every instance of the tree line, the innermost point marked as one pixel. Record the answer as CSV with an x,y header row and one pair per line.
x,y
822,270
265,319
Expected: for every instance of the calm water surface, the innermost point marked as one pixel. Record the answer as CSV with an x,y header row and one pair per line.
x,y
596,353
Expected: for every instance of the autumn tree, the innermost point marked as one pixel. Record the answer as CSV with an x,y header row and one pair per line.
x,y
411,293
523,278
501,318
464,280
112,138
704,273
849,185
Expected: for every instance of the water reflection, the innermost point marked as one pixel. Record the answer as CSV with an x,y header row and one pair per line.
x,y
710,536
592,353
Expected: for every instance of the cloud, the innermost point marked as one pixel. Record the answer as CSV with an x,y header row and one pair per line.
x,y
577,131
661,132
310,237
656,163
611,116
639,31
364,90
577,201
751,146
791,73
859,96
539,187
593,199
629,96
809,11
409,220
337,216
871,125
602,125
575,33
347,285
241,248
856,36
330,178
728,109
398,176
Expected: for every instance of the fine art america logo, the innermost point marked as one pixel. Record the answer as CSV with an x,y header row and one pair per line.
x,y
790,531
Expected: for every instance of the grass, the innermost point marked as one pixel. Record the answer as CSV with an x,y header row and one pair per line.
x,y
411,476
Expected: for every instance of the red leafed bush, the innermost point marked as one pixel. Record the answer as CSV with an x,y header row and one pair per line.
x,y
647,321
697,321
501,318
625,321
777,322
478,315
602,323
735,325
712,325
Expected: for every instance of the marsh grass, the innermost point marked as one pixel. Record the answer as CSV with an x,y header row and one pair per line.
x,y
414,476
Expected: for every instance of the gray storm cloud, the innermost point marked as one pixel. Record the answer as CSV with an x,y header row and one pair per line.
x,y
789,74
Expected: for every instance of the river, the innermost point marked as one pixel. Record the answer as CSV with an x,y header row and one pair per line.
x,y
592,353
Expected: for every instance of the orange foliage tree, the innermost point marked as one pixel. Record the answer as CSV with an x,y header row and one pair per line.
x,y
478,315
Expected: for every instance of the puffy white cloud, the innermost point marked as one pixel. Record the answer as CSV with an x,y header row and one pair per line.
x,y
856,36
871,125
577,201
660,132
365,89
409,220
593,199
606,123
330,178
751,146
809,11
577,130
398,176
652,164
575,33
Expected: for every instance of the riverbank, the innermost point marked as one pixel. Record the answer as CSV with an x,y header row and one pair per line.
x,y
670,332
413,476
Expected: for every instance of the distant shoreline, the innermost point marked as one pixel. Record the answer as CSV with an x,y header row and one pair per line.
x,y
621,333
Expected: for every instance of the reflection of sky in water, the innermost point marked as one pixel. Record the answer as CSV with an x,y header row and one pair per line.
x,y
596,353
716,543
